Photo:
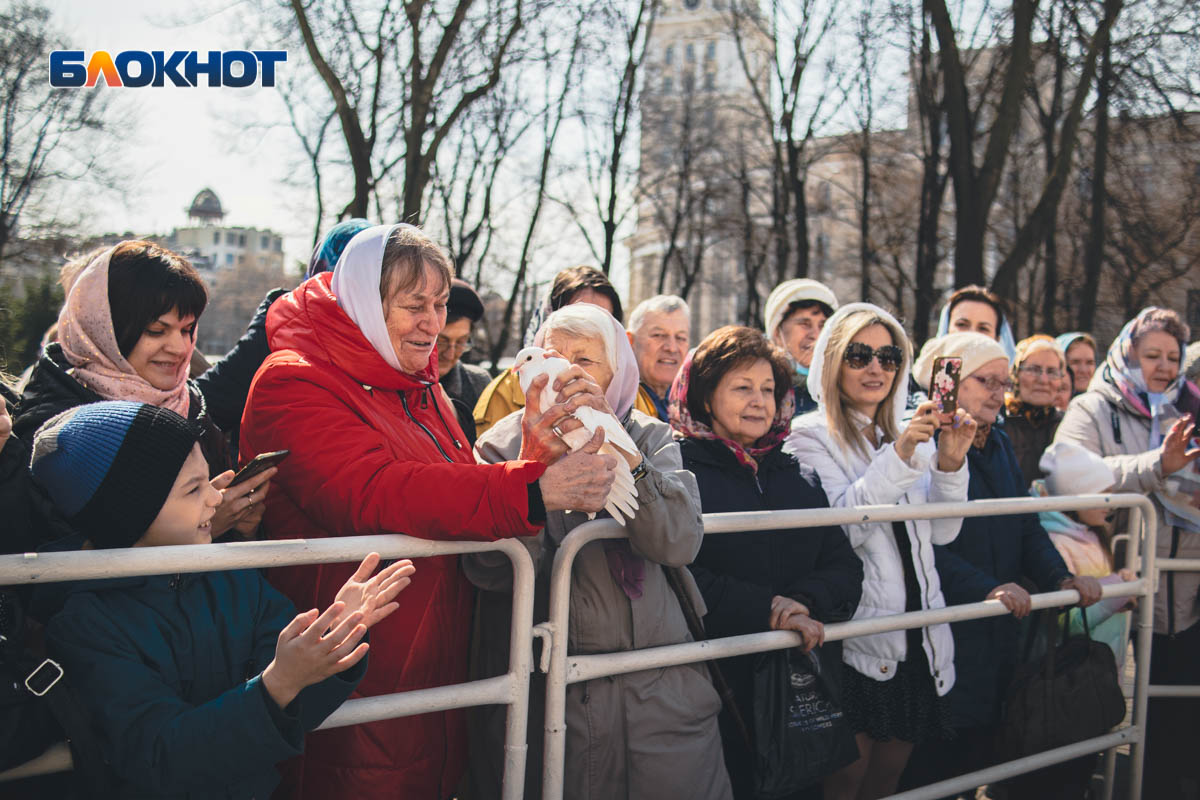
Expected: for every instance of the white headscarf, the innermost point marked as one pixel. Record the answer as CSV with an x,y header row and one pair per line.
x,y
1004,336
622,391
356,286
815,387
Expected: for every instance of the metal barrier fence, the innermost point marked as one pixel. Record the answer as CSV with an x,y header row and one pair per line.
x,y
511,689
566,669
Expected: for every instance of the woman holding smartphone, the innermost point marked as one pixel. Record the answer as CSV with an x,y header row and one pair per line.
x,y
893,682
127,331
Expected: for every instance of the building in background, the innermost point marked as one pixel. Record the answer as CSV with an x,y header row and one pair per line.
x,y
709,190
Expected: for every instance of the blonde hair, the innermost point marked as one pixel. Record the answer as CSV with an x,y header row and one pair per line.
x,y
849,326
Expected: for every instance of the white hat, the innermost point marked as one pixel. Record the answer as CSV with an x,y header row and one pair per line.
x,y
974,349
794,291
1073,469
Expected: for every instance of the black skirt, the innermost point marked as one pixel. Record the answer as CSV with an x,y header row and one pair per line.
x,y
906,708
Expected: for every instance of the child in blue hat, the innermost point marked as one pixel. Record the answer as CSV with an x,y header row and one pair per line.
x,y
197,684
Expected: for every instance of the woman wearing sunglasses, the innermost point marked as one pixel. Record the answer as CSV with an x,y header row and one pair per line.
x,y
893,683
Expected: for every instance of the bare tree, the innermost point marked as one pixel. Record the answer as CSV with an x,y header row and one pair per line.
x,y
608,114
795,32
976,185
402,80
552,119
49,137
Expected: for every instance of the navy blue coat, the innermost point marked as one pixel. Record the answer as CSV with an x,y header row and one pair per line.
x,y
170,669
739,573
990,551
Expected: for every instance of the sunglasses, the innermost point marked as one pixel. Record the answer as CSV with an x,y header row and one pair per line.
x,y
859,355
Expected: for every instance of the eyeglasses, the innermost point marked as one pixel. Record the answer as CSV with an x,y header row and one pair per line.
x,y
444,345
994,385
1053,373
859,356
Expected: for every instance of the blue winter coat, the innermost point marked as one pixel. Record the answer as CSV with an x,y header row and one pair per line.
x,y
170,669
990,551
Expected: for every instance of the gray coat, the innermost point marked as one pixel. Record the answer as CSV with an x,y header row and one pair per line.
x,y
1092,420
650,734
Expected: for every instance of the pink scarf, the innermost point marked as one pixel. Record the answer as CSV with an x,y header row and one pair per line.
x,y
85,330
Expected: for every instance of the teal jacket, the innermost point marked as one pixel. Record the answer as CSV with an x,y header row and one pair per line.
x,y
170,669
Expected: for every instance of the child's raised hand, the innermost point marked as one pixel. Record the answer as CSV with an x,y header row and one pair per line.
x,y
373,597
309,650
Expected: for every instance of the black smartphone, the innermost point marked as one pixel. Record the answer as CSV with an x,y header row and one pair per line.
x,y
260,463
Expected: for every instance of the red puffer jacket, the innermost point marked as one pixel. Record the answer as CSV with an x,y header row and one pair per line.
x,y
376,451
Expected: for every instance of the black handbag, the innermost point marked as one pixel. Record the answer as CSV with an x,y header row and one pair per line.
x,y
1071,694
801,733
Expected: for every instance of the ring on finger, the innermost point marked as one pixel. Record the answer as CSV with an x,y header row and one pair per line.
x,y
250,497
557,431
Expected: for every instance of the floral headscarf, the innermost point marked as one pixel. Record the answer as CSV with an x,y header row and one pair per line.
x,y
684,423
1122,371
85,331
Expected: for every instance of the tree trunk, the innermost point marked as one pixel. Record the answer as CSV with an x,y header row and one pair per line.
x,y
864,220
1093,257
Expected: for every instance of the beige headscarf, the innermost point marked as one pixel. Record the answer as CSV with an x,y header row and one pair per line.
x,y
85,330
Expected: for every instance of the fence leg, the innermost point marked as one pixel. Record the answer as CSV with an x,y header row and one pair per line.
x,y
1110,771
520,664
1147,525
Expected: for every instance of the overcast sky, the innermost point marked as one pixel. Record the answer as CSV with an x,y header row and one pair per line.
x,y
183,139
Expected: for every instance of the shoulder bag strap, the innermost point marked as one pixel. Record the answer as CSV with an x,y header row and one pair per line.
x,y
696,627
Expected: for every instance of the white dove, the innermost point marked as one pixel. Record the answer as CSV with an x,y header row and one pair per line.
x,y
622,497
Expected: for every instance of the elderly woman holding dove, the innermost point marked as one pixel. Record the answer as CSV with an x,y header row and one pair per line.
x,y
351,390
623,593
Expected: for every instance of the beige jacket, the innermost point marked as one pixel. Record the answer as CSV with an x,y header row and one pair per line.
x,y
1093,420
646,735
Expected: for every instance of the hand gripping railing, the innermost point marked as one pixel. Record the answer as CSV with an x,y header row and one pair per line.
x,y
511,689
565,670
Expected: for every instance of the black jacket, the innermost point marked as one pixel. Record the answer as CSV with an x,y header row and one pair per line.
x,y
990,551
226,384
29,517
464,383
52,390
739,573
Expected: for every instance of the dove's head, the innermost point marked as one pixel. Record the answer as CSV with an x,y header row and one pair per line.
x,y
529,365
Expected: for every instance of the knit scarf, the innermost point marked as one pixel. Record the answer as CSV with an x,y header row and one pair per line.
x,y
683,422
1034,415
981,435
89,342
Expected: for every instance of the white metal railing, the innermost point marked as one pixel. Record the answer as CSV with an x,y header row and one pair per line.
x,y
564,669
1176,690
511,689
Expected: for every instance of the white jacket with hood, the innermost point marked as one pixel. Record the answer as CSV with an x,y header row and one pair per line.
x,y
851,477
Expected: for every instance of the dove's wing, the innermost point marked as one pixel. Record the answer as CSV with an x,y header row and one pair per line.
x,y
622,497
614,432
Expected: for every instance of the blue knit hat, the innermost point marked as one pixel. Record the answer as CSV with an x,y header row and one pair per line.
x,y
109,467
327,252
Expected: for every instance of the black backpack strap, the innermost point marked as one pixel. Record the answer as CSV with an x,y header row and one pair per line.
x,y
1116,423
91,769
